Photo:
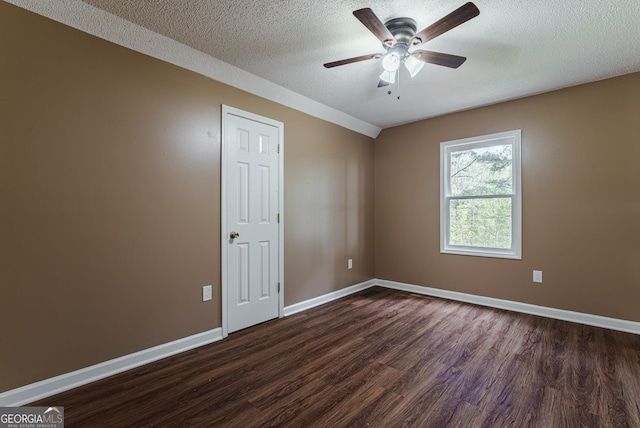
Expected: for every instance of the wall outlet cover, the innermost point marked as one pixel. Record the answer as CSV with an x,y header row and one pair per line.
x,y
537,276
206,293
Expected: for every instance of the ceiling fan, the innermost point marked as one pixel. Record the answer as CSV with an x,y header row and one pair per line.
x,y
399,35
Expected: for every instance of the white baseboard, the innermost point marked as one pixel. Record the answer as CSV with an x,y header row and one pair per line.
x,y
48,387
560,314
55,385
326,298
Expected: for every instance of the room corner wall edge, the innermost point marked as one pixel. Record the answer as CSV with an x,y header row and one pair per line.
x,y
48,387
89,19
326,298
525,308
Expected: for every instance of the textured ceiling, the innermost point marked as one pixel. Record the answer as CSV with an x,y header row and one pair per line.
x,y
513,49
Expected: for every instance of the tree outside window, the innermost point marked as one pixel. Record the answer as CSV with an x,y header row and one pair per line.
x,y
480,196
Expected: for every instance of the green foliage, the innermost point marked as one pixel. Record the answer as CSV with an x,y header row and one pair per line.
x,y
481,222
485,221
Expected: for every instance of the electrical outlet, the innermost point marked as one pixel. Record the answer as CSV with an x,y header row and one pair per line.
x,y
206,293
537,276
350,264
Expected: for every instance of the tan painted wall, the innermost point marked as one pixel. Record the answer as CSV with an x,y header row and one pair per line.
x,y
581,201
110,200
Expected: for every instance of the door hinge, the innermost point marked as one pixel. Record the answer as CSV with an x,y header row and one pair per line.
x,y
278,287
278,217
278,148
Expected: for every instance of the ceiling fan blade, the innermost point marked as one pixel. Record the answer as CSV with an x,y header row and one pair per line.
x,y
352,60
438,58
373,23
455,18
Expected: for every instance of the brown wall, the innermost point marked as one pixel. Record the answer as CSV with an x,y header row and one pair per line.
x,y
110,200
581,201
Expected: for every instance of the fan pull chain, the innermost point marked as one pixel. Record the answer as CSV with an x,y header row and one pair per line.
x,y
396,82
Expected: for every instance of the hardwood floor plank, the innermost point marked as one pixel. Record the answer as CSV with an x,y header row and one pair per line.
x,y
375,413
381,358
294,404
466,415
626,374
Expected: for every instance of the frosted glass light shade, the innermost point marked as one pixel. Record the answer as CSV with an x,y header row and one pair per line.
x,y
413,65
389,76
391,62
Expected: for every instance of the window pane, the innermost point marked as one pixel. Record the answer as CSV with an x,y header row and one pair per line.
x,y
480,222
482,171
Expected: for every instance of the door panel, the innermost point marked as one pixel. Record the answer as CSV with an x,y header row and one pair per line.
x,y
252,200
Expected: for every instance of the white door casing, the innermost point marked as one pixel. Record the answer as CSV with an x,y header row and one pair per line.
x,y
252,189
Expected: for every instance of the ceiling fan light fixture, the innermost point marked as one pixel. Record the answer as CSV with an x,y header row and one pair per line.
x,y
398,35
391,62
413,65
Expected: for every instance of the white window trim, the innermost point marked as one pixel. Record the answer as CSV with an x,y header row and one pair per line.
x,y
512,137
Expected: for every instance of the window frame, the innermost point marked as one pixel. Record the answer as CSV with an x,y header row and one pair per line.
x,y
446,149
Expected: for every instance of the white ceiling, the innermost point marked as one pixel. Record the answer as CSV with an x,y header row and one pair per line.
x,y
513,49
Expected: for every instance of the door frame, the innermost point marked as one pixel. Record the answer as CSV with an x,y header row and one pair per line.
x,y
232,111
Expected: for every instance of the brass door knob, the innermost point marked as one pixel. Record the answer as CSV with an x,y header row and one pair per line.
x,y
234,235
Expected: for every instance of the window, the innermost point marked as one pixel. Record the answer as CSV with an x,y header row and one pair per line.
x,y
480,196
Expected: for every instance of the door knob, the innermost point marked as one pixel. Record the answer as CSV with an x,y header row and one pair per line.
x,y
234,235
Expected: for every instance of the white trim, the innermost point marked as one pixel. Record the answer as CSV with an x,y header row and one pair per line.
x,y
446,148
223,222
226,111
48,387
281,224
107,26
525,308
326,298
55,385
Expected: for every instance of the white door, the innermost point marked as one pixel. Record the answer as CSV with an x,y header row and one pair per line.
x,y
251,228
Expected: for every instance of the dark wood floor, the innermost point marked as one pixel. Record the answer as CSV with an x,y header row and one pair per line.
x,y
381,358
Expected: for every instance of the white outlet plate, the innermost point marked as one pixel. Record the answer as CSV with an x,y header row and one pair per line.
x,y
206,293
350,264
537,276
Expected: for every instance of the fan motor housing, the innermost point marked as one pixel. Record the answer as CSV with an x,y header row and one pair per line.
x,y
403,29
